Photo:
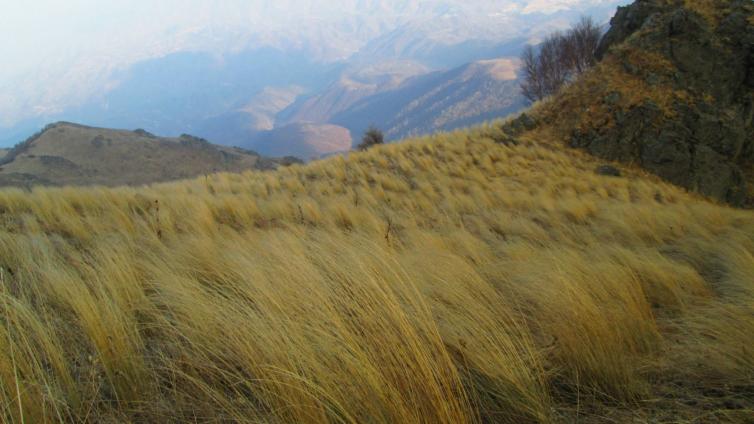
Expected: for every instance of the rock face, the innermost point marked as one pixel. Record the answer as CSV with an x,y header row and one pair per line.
x,y
701,55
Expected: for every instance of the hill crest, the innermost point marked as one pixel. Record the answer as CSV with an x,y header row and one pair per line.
x,y
673,93
66,153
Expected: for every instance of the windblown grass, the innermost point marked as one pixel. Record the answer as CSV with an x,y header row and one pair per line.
x,y
448,279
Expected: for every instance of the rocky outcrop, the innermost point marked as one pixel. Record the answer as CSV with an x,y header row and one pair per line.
x,y
694,125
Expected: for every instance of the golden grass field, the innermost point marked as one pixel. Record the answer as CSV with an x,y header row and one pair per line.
x,y
441,280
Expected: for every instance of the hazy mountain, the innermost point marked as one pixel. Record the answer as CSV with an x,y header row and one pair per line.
x,y
208,69
354,84
180,92
66,153
399,103
265,106
460,97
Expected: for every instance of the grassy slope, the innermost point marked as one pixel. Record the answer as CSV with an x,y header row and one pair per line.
x,y
448,279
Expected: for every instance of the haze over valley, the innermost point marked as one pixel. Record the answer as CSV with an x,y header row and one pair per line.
x,y
244,73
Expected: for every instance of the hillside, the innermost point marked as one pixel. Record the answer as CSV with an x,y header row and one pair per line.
x,y
258,114
356,83
440,101
451,279
672,94
71,154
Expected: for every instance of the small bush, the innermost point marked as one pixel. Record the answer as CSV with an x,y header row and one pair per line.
x,y
372,137
290,160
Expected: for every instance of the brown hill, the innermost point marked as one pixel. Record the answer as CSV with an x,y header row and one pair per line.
x,y
673,94
72,154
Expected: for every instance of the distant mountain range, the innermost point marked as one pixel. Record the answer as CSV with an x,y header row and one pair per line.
x,y
439,101
407,66
401,104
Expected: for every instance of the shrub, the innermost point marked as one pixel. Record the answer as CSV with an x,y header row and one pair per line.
x,y
372,137
290,160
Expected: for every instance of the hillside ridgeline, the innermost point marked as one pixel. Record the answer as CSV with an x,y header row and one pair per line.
x,y
673,94
72,154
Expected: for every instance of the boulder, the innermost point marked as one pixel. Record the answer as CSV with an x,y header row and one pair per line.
x,y
608,171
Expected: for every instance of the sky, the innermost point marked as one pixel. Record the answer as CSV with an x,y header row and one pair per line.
x,y
47,32
62,49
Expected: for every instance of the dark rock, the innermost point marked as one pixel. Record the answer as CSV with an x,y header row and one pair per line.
x,y
57,162
98,141
734,404
627,20
505,138
702,140
290,160
653,79
193,141
608,170
144,133
714,176
667,153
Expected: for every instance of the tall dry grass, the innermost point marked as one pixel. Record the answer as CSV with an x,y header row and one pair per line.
x,y
448,279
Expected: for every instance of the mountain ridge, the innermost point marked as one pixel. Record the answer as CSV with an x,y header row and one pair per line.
x,y
673,94
440,35
66,153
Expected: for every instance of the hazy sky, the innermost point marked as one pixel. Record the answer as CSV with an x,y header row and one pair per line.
x,y
57,53
60,49
47,32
